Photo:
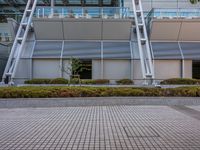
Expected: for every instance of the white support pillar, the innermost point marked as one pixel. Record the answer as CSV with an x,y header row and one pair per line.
x,y
52,7
132,62
52,3
31,59
102,63
182,62
61,60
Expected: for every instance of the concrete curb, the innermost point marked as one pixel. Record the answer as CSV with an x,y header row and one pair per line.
x,y
97,101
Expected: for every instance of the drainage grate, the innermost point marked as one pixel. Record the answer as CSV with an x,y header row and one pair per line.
x,y
140,131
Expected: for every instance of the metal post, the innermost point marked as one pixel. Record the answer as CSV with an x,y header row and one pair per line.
x,y
182,61
52,7
102,62
131,61
52,3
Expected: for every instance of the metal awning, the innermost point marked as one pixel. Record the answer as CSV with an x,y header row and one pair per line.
x,y
82,50
47,49
176,50
190,50
116,50
166,50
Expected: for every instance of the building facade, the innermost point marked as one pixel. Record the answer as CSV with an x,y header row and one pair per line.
x,y
114,39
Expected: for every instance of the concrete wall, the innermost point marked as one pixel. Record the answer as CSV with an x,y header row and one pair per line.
x,y
137,71
116,69
82,29
175,30
96,69
112,69
165,69
188,69
24,69
66,69
46,68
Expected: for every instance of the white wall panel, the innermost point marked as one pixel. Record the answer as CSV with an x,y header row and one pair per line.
x,y
116,69
46,68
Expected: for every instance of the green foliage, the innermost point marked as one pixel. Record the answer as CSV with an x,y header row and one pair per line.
x,y
59,81
58,91
125,81
65,81
194,1
75,81
181,81
38,81
88,81
74,67
97,81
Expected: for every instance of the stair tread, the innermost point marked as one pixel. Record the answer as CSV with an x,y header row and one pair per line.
x,y
20,38
24,23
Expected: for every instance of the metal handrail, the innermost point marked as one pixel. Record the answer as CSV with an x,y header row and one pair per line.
x,y
82,12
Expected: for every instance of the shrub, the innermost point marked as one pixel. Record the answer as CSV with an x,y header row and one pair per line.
x,y
38,81
180,81
125,81
59,81
97,81
56,91
102,81
75,81
88,81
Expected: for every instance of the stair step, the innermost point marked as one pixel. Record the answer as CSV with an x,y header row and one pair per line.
x,y
138,11
19,38
8,74
148,75
140,24
143,39
29,10
24,24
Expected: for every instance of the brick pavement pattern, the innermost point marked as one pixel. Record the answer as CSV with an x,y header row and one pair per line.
x,y
98,127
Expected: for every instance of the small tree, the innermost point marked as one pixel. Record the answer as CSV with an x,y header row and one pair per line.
x,y
74,68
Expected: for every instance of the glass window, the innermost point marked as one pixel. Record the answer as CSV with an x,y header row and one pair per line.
x,y
86,73
196,69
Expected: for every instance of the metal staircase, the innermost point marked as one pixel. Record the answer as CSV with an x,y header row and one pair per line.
x,y
143,43
20,39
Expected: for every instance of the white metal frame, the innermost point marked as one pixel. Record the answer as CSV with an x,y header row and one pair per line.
x,y
144,49
19,42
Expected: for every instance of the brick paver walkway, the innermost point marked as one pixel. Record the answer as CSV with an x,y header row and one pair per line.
x,y
111,127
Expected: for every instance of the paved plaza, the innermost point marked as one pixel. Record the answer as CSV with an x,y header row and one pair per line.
x,y
101,127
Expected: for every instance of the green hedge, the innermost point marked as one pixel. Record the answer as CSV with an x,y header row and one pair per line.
x,y
53,92
65,81
125,82
47,81
38,81
181,81
59,81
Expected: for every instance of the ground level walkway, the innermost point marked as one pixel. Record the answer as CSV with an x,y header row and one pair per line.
x,y
101,127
